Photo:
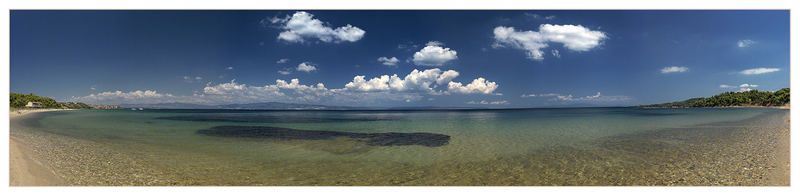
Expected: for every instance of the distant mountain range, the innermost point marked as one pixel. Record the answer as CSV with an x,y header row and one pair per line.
x,y
279,106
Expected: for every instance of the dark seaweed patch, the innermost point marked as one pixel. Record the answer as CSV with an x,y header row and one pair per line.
x,y
372,139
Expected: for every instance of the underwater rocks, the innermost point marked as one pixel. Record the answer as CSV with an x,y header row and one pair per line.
x,y
372,139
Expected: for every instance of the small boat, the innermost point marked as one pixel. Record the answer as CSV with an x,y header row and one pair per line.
x,y
141,108
134,109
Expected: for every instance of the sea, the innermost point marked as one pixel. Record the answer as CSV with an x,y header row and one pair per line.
x,y
542,146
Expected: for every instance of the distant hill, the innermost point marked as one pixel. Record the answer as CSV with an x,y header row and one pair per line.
x,y
746,98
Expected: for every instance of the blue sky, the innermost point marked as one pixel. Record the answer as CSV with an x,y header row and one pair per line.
x,y
520,58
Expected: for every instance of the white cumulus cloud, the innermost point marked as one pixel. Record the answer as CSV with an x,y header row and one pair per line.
x,y
291,91
388,61
573,37
478,86
742,87
674,69
305,67
748,85
282,61
302,25
421,81
760,70
360,91
446,77
375,84
434,55
120,97
414,81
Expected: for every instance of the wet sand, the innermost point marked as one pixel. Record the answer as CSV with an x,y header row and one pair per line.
x,y
729,154
25,170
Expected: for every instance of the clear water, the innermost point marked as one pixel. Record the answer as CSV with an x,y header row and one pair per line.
x,y
169,138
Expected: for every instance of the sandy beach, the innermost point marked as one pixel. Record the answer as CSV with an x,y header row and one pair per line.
x,y
27,171
17,113
24,168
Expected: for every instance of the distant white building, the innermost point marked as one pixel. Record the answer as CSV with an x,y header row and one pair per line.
x,y
34,105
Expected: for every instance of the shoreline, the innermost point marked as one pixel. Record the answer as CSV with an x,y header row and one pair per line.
x,y
22,112
24,169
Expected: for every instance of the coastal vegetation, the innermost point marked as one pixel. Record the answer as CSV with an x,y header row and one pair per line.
x,y
726,99
19,100
74,105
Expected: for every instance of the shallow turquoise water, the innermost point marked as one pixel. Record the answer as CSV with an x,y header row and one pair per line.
x,y
476,135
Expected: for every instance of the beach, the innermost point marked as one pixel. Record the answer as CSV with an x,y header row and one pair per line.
x,y
725,153
26,170
22,112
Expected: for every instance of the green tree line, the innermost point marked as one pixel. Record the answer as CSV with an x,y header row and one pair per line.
x,y
74,105
746,98
19,100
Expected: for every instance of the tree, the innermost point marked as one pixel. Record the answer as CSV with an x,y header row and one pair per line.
x,y
19,100
746,98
